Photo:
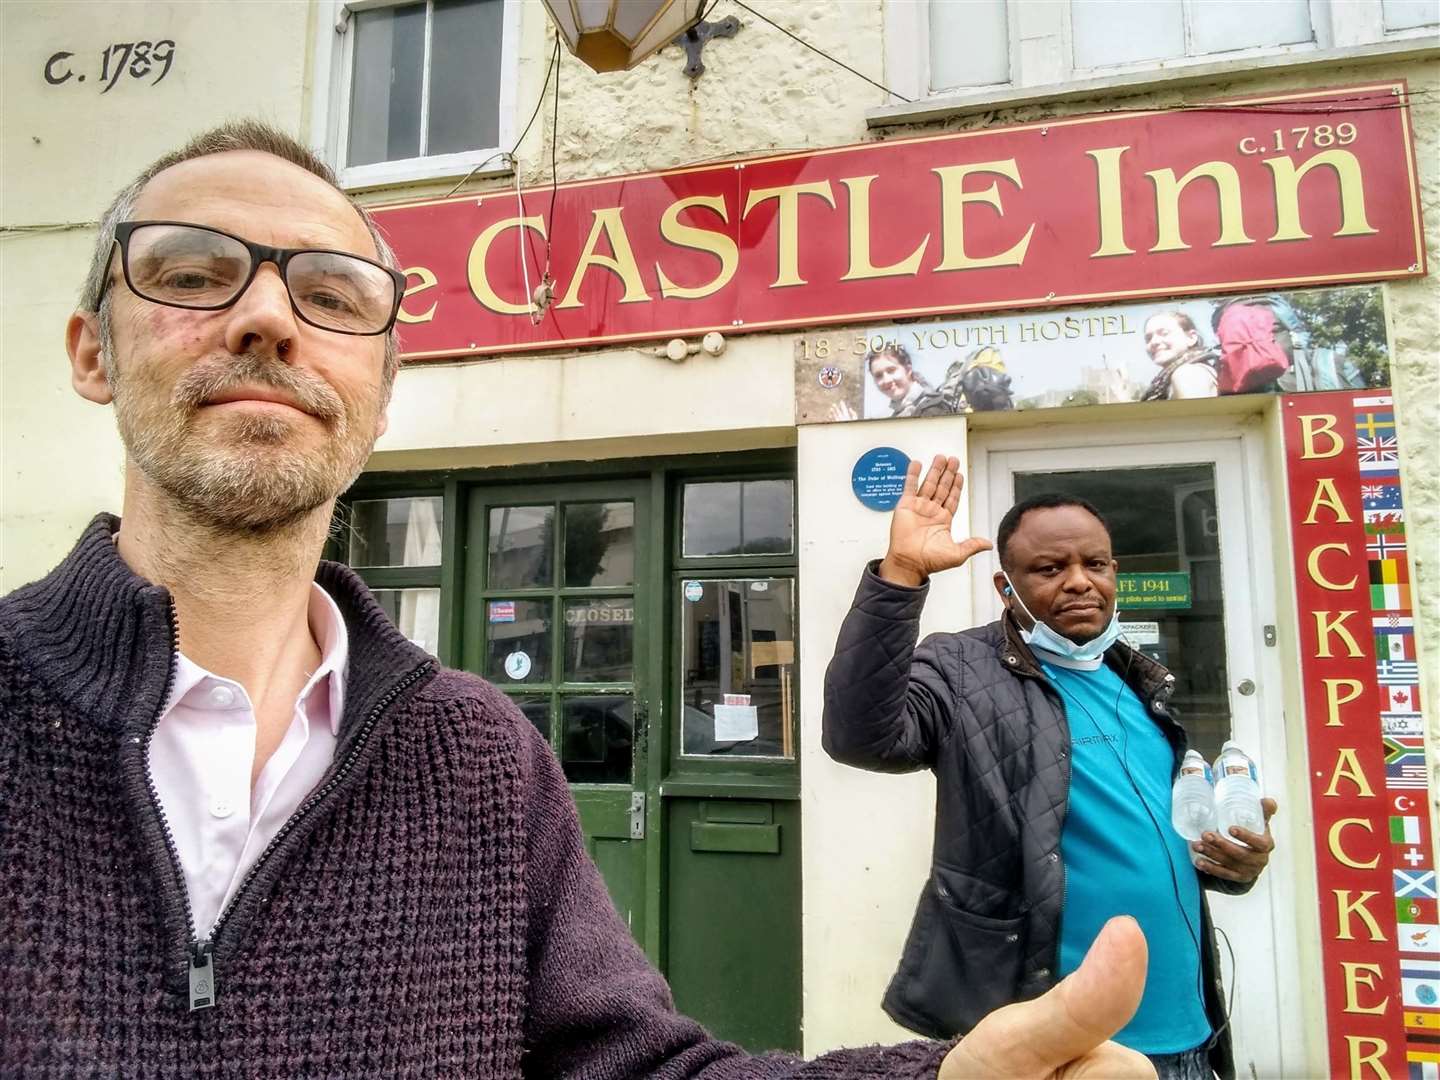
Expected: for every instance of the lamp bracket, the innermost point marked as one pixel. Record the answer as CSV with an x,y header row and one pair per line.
x,y
694,39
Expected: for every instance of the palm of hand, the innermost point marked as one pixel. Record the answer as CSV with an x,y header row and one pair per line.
x,y
920,540
920,535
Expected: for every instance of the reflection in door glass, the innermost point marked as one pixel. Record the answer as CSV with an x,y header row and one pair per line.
x,y
596,738
738,517
415,612
395,532
1165,533
599,544
599,640
536,708
517,641
738,652
522,541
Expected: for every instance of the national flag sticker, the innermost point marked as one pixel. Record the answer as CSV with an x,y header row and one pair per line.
x,y
1397,672
1420,938
1405,830
1380,496
1416,910
1420,982
1415,885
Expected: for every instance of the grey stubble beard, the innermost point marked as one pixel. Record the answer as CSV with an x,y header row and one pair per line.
x,y
248,481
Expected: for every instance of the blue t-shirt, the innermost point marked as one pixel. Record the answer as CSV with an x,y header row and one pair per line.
x,y
1118,861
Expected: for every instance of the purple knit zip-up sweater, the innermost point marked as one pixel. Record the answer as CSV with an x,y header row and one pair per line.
x,y
429,910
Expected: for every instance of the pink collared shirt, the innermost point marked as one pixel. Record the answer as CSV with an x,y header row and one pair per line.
x,y
203,751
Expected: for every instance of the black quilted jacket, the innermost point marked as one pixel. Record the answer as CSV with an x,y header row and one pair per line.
x,y
976,708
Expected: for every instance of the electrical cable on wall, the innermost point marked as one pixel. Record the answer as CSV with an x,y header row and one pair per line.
x,y
822,52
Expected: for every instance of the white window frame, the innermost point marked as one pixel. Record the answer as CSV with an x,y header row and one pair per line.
x,y
1041,53
333,51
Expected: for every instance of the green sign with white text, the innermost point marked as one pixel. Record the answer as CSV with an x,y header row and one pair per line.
x,y
1152,590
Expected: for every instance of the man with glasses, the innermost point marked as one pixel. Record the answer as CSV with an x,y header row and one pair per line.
x,y
246,827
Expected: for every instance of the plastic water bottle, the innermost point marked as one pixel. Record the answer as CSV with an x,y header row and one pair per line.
x,y
1192,800
1237,793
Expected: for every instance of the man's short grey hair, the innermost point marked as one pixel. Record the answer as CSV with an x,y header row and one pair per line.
x,y
233,135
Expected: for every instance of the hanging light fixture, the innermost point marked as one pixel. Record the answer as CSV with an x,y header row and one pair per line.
x,y
615,35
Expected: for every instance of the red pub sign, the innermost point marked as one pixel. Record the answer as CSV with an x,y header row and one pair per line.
x,y
1285,190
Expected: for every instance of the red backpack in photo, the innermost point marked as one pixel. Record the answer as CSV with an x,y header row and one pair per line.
x,y
1251,356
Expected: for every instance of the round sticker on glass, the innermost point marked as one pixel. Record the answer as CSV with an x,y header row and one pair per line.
x,y
878,478
694,591
517,665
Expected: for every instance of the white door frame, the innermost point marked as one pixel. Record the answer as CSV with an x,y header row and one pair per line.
x,y
1267,997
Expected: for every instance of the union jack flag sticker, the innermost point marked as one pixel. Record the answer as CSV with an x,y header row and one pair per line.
x,y
1378,448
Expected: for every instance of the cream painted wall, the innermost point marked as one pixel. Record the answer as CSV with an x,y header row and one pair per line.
x,y
867,836
64,151
537,408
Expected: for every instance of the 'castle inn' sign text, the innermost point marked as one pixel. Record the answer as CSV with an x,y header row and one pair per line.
x,y
1286,190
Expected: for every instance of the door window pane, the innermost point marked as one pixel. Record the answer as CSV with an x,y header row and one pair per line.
x,y
522,546
739,517
738,657
1163,521
517,635
415,612
388,66
599,640
597,735
969,43
395,532
599,544
536,708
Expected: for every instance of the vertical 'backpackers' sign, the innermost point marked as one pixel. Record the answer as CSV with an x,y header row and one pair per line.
x,y
1380,944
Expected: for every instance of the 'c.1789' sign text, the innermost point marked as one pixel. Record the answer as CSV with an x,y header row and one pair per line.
x,y
135,59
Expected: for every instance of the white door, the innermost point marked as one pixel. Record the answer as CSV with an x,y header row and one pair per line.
x,y
1182,504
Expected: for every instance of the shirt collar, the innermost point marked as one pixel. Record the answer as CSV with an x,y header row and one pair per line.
x,y
328,628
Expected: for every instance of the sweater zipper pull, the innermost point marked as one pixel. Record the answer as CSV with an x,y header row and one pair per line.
x,y
202,976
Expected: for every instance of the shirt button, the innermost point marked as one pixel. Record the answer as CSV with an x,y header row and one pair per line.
x,y
1054,857
1043,972
221,808
222,697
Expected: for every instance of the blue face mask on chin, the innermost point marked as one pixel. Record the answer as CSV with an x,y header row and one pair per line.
x,y
1041,636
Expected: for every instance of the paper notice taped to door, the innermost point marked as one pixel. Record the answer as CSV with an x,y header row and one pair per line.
x,y
1141,633
736,723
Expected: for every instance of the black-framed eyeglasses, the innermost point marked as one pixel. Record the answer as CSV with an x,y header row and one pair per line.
x,y
191,266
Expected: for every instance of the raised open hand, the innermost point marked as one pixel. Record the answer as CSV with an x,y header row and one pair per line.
x,y
920,540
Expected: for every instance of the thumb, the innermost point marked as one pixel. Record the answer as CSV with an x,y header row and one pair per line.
x,y
1037,1038
1094,1001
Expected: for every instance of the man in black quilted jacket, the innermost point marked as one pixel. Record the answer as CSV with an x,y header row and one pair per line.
x,y
1054,752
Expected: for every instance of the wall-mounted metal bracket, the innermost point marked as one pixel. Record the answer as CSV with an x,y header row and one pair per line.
x,y
694,39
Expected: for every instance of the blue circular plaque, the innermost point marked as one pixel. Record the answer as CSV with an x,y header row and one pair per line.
x,y
878,478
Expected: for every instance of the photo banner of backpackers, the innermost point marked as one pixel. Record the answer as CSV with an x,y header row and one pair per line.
x,y
1278,342
1283,191
1365,734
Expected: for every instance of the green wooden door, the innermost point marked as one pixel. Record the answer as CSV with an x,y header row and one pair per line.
x,y
556,615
